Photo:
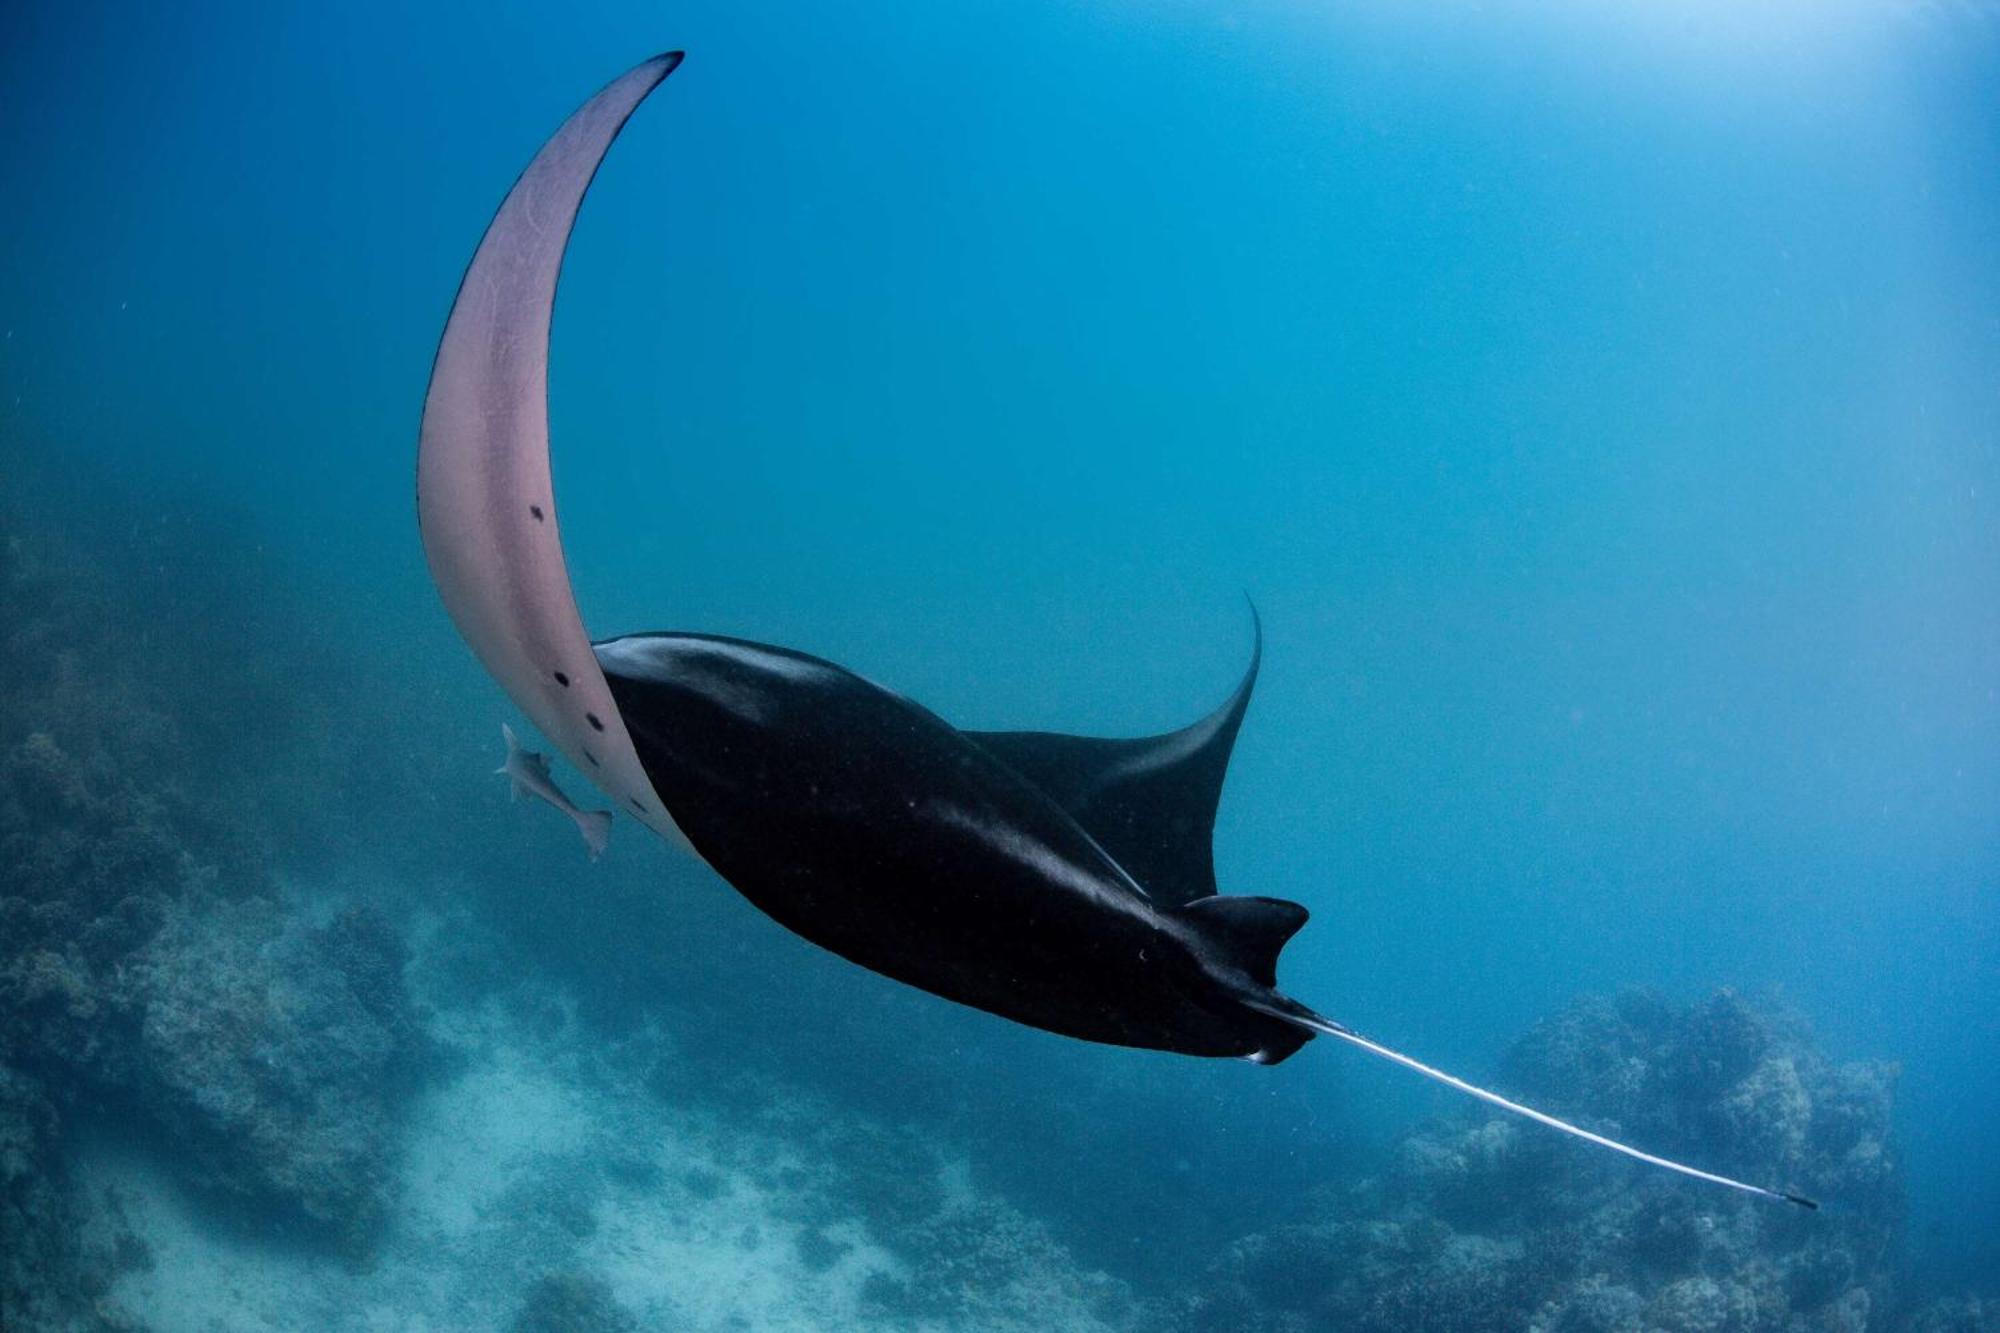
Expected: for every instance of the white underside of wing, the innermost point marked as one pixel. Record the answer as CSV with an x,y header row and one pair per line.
x,y
484,497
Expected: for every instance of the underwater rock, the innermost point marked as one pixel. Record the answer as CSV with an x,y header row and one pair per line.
x,y
43,1283
279,1055
1481,1223
965,1258
982,1263
146,973
101,838
59,1254
1965,1314
572,1303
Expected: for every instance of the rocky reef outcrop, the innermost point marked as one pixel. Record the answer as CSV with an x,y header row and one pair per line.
x,y
1485,1222
570,1302
150,982
275,1053
946,1253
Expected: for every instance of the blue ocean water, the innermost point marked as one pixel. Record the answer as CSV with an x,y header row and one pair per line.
x,y
1599,405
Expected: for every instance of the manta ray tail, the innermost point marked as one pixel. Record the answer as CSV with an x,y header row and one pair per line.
x,y
1304,1017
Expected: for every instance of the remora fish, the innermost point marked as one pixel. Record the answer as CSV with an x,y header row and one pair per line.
x,y
1065,882
529,773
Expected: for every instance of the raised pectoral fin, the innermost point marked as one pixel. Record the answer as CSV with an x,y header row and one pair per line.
x,y
1149,802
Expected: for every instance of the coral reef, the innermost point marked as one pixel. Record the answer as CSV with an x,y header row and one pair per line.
x,y
983,1263
1486,1222
278,1054
572,1303
149,978
1957,1314
888,1208
44,1282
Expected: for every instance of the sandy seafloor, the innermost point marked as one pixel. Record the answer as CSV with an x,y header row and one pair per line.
x,y
551,1180
531,1159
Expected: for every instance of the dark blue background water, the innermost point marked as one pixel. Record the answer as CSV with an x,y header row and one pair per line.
x,y
1601,409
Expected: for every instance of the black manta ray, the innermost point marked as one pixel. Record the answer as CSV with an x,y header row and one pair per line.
x,y
1065,882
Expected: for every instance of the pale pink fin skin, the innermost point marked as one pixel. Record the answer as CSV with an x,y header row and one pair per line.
x,y
484,498
595,826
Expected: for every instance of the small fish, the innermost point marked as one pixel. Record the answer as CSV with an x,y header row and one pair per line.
x,y
530,774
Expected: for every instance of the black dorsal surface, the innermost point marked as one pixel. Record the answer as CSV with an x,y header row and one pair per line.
x,y
1149,802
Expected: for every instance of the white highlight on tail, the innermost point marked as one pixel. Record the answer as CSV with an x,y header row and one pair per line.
x,y
1333,1029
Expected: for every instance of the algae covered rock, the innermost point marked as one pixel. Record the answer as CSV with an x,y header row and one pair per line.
x,y
106,827
279,1054
571,1303
43,1280
1964,1314
147,974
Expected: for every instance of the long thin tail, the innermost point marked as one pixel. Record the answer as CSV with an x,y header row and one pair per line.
x,y
1307,1018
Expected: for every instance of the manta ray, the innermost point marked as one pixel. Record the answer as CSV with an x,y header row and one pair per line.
x,y
1064,882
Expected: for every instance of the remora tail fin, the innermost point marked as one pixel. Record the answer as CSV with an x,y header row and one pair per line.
x,y
595,826
1293,1012
527,775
